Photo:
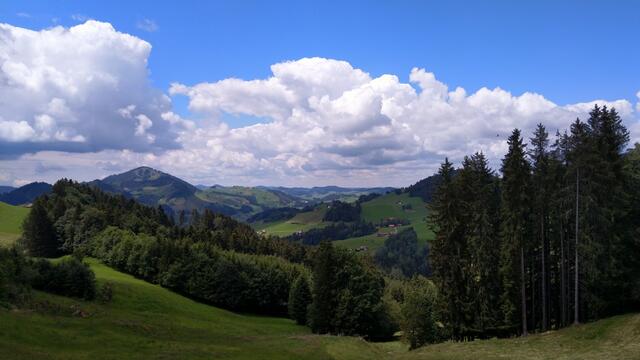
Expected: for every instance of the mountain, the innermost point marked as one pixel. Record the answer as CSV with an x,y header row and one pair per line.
x,y
153,187
25,194
156,188
6,189
328,193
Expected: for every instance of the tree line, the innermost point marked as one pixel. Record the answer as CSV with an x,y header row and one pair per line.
x,y
551,242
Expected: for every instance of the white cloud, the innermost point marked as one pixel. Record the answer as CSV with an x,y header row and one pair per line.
x,y
327,122
68,85
334,123
147,25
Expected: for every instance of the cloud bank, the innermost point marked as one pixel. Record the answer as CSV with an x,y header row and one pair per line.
x,y
65,89
86,90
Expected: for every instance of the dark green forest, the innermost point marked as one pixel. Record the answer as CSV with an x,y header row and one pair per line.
x,y
552,242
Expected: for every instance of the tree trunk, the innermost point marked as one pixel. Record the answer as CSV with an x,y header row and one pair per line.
x,y
563,286
544,275
523,293
576,319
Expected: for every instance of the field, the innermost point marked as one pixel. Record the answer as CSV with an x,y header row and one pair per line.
x,y
612,338
10,222
388,206
301,222
147,321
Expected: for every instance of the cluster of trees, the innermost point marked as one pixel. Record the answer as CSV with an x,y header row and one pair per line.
x,y
347,295
343,211
401,257
19,274
550,243
335,231
271,215
201,270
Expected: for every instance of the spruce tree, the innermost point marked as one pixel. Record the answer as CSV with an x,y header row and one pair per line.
x,y
515,209
299,300
38,233
539,155
322,308
446,251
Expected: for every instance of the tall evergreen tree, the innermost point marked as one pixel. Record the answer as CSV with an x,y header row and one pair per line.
x,y
38,233
299,300
447,249
515,209
480,211
540,182
323,291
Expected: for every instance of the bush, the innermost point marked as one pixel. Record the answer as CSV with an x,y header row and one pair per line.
x,y
419,318
69,277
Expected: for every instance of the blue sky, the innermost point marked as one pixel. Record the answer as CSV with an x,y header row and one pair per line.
x,y
569,53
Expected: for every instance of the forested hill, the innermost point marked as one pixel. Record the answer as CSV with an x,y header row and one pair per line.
x,y
212,258
25,194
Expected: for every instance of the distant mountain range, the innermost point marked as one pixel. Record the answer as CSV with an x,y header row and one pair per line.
x,y
153,187
25,194
156,188
6,189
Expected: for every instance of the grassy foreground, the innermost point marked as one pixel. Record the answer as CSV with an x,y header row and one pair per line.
x,y
10,222
616,338
147,321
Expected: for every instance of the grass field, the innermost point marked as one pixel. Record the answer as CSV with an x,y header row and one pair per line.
x,y
10,222
387,206
612,338
301,222
145,321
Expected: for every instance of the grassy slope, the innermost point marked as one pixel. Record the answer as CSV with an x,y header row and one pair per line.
x,y
147,321
301,222
613,338
10,222
386,206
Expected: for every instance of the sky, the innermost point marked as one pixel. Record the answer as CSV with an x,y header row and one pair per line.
x,y
350,93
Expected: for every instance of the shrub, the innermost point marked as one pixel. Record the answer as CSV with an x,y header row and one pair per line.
x,y
69,277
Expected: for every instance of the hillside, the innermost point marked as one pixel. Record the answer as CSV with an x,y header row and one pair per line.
x,y
617,338
10,222
300,222
329,193
5,189
147,321
25,194
391,206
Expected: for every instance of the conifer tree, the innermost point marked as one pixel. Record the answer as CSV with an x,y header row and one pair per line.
x,y
299,300
445,255
323,305
539,155
38,233
515,209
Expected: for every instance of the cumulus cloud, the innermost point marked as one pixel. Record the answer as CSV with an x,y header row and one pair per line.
x,y
329,119
85,89
63,89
